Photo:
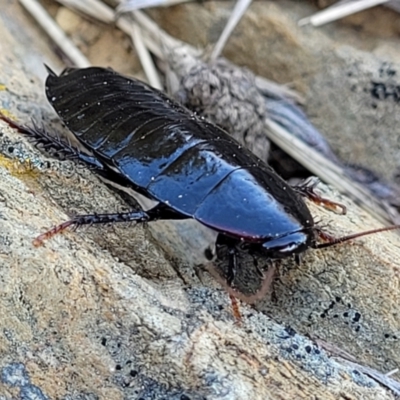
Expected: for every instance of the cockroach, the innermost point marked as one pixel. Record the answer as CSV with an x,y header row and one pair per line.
x,y
146,141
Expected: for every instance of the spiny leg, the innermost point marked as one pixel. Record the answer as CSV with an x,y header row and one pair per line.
x,y
91,219
63,149
235,308
307,189
160,211
232,266
230,244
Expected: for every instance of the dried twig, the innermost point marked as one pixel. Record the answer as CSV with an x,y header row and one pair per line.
x,y
152,35
346,358
94,8
133,5
237,13
145,57
381,378
392,372
277,90
159,42
97,10
55,33
328,171
337,11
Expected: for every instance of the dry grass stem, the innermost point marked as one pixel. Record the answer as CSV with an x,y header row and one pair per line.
x,y
383,379
164,42
236,15
145,58
133,5
55,33
98,10
158,41
390,373
338,11
93,8
271,88
328,171
155,39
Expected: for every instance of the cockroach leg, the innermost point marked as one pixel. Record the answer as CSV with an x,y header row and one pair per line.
x,y
236,309
63,149
160,211
232,266
91,219
250,299
307,189
225,241
38,241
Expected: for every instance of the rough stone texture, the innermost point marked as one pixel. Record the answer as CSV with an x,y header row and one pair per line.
x,y
348,73
102,314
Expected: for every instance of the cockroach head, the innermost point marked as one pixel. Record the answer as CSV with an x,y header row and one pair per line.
x,y
289,244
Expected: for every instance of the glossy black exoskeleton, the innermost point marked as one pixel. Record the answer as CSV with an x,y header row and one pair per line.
x,y
191,167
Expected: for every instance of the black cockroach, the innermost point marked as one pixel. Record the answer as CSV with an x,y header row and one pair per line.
x,y
193,169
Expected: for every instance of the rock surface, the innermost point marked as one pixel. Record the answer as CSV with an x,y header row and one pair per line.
x,y
103,314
